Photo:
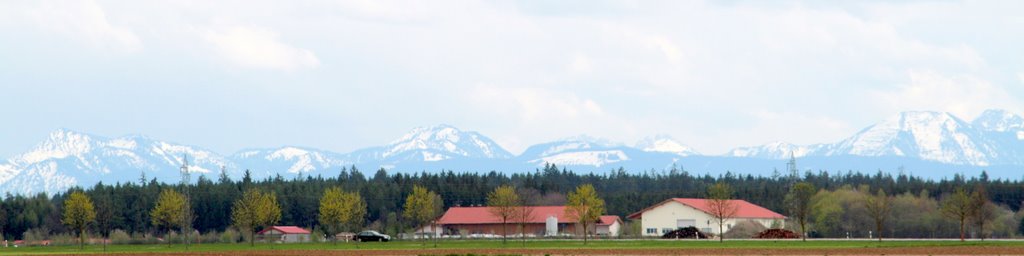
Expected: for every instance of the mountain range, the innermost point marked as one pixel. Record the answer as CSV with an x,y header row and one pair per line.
x,y
922,143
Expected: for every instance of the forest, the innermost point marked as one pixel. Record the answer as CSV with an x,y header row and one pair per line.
x,y
836,208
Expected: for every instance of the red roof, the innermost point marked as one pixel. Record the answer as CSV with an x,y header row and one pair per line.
x,y
286,230
482,215
744,209
608,220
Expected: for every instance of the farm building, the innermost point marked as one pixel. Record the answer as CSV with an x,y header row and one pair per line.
x,y
285,234
684,212
609,225
543,221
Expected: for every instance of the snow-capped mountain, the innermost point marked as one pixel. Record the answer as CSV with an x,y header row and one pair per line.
x,y
934,136
997,120
68,158
665,143
576,151
775,150
993,138
431,144
927,141
292,160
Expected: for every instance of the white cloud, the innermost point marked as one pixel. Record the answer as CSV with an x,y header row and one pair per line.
x,y
83,21
963,95
259,48
532,105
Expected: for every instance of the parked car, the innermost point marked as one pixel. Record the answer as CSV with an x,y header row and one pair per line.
x,y
371,235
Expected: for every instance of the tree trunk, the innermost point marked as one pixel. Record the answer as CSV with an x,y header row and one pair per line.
x,y
81,239
721,231
504,232
252,237
522,232
584,232
803,231
961,230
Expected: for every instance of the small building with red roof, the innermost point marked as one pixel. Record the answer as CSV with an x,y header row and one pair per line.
x,y
677,213
481,222
608,225
285,234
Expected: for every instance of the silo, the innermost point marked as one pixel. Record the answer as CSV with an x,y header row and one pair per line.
x,y
551,226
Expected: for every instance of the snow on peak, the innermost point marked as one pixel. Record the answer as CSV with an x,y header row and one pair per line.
x,y
444,141
61,143
665,143
576,143
775,150
933,136
998,120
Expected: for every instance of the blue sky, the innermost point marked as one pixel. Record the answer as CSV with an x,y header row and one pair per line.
x,y
228,75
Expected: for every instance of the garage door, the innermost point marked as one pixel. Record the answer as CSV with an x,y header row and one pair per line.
x,y
682,223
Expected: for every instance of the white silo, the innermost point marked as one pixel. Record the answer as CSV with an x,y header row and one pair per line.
x,y
551,226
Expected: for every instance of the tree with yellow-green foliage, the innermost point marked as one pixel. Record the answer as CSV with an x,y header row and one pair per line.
x,y
503,202
340,210
421,206
169,211
78,214
584,206
255,209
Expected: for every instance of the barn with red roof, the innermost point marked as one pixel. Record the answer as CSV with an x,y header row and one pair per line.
x,y
677,213
481,222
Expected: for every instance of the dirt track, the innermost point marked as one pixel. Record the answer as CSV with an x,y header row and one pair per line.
x,y
956,250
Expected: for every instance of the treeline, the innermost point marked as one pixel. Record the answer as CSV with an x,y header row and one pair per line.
x,y
128,206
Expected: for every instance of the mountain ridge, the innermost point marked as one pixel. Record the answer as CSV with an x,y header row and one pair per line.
x,y
66,158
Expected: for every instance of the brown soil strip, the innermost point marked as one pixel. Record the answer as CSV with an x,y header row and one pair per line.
x,y
953,250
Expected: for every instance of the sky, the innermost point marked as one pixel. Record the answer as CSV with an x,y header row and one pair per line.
x,y
344,75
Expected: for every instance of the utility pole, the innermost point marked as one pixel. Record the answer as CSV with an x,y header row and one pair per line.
x,y
794,173
186,181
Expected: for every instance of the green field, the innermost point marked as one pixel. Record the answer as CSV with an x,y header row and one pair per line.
x,y
412,246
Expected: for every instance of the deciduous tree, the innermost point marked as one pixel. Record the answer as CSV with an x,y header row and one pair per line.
x,y
503,202
878,207
169,211
420,206
982,210
721,206
585,206
341,210
958,207
798,200
78,214
255,209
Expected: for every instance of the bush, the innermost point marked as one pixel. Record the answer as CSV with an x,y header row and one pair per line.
x,y
318,236
35,235
120,237
66,239
210,237
143,238
230,236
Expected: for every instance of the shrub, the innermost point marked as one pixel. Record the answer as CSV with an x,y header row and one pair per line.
x,y
120,237
66,239
210,237
35,235
229,236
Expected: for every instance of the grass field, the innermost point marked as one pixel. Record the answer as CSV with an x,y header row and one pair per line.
x,y
552,247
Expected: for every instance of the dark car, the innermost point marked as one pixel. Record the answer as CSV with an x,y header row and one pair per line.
x,y
371,235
